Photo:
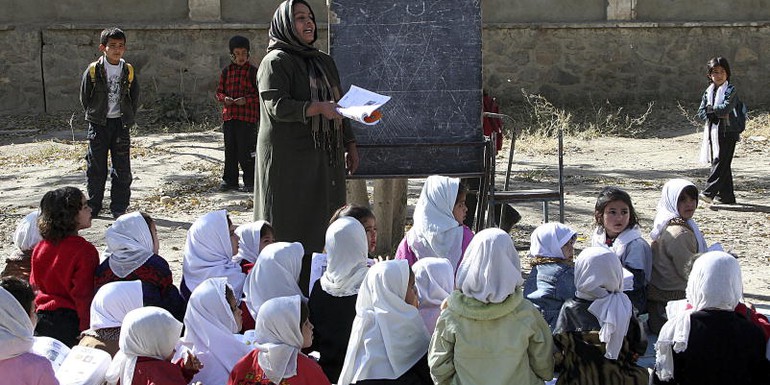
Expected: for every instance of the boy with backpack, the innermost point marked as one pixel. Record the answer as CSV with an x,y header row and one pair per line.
x,y
109,94
238,92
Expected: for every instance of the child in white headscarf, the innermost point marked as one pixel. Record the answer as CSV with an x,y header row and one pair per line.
x,y
211,320
333,298
676,242
597,336
552,278
283,330
709,343
438,216
147,342
435,280
26,236
18,365
110,305
252,238
275,274
488,333
208,252
388,343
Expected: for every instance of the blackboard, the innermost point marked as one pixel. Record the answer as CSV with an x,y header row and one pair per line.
x,y
426,55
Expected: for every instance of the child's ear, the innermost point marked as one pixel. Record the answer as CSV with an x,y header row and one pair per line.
x,y
102,47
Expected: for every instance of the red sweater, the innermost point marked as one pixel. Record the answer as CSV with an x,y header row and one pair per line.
x,y
152,371
63,273
248,372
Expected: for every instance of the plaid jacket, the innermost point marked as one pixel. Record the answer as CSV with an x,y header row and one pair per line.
x,y
236,82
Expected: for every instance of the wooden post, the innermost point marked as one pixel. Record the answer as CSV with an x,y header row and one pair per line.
x,y
356,192
389,205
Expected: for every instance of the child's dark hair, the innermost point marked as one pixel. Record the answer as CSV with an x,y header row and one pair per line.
x,y
611,194
239,41
58,213
147,218
691,191
267,229
21,290
360,213
462,190
112,33
304,313
718,61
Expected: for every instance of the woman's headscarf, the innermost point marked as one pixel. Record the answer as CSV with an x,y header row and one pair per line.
x,y
667,210
435,280
147,332
715,282
208,253
321,76
548,239
388,335
209,328
275,274
113,301
16,329
279,337
347,251
129,244
249,239
599,278
436,232
491,268
27,234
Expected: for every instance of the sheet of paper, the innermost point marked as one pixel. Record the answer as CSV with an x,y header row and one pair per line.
x,y
360,104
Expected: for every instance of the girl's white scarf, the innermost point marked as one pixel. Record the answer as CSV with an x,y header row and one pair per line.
x,y
275,274
667,210
279,337
113,301
627,236
249,239
709,148
435,281
715,282
436,232
129,244
347,249
491,268
16,328
27,234
548,239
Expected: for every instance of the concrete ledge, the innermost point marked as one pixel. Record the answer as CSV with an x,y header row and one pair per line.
x,y
161,27
625,24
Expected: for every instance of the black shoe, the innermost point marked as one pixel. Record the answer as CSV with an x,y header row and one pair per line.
x,y
705,198
117,214
227,187
247,189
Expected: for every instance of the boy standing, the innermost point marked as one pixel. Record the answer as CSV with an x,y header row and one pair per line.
x,y
109,94
238,91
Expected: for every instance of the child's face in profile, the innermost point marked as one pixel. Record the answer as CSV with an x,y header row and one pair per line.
x,y
686,206
307,334
234,239
411,292
155,240
266,240
237,313
370,225
113,50
240,56
83,218
460,209
569,249
615,218
718,75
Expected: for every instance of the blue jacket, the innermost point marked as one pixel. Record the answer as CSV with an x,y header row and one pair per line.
x,y
548,286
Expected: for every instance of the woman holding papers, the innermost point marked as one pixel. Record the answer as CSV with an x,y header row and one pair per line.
x,y
304,147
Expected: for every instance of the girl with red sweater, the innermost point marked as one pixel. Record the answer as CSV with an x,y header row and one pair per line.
x,y
63,265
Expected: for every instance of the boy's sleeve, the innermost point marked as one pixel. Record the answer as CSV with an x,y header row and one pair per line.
x,y
252,93
441,353
134,93
221,87
85,90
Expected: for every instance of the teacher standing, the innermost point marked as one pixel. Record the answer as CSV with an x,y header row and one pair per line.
x,y
304,147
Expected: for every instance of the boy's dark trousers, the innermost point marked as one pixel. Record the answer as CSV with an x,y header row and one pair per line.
x,y
720,180
115,139
240,143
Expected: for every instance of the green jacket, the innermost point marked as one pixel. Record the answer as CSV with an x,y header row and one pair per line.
x,y
497,343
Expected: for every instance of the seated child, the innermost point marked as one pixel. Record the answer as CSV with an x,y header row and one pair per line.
x,y
18,366
132,254
275,274
434,279
208,252
25,238
709,343
110,305
252,238
283,330
147,342
597,336
63,266
617,227
438,216
388,342
211,319
333,298
552,278
488,333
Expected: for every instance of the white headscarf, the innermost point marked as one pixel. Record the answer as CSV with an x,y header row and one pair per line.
x,y
709,148
209,327
27,234
16,329
347,250
435,280
548,239
599,278
275,274
279,337
436,232
715,282
388,335
113,301
208,253
129,244
491,268
147,332
667,210
249,239
627,236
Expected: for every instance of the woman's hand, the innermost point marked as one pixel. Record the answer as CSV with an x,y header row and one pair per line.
x,y
351,158
327,109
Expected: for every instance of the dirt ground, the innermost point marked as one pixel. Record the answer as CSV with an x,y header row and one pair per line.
x,y
176,178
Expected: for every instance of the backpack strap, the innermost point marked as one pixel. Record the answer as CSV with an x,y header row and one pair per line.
x,y
92,71
130,73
